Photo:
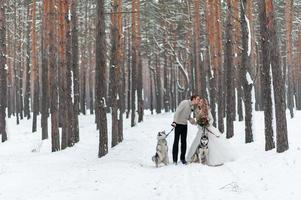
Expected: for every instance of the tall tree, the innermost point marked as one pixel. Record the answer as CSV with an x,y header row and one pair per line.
x,y
229,71
220,86
53,77
289,57
27,67
35,69
266,78
75,68
69,121
3,71
44,69
115,68
134,62
121,75
278,81
137,43
197,42
100,79
246,80
66,109
298,74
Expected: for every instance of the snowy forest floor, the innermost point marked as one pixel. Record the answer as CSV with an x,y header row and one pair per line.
x,y
29,171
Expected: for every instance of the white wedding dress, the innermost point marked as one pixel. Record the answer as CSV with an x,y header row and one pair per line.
x,y
219,148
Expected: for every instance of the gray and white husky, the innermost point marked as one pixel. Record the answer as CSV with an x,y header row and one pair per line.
x,y
201,153
161,155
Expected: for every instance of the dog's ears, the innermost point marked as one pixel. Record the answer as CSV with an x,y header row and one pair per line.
x,y
159,133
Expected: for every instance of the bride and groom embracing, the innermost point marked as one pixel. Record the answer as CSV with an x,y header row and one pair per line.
x,y
219,150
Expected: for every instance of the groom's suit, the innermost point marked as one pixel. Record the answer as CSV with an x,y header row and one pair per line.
x,y
181,116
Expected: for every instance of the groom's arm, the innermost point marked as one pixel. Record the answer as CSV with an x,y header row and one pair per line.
x,y
192,120
178,111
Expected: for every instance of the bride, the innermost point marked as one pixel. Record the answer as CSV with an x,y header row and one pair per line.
x,y
219,150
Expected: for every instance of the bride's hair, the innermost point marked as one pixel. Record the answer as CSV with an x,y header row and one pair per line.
x,y
204,108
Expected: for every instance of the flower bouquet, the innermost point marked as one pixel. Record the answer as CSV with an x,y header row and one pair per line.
x,y
203,121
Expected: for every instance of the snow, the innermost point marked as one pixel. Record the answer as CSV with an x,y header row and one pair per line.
x,y
29,171
69,15
249,33
249,79
249,36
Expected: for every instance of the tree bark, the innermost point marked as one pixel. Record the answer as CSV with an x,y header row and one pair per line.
x,y
245,75
139,68
266,79
3,72
278,82
230,98
44,69
53,77
289,55
196,54
35,69
75,68
100,79
27,67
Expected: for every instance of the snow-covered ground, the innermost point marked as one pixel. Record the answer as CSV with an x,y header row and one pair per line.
x,y
29,171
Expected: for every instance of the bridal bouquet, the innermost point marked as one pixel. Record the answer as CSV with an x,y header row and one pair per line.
x,y
203,121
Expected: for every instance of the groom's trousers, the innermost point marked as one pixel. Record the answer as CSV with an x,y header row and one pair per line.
x,y
180,131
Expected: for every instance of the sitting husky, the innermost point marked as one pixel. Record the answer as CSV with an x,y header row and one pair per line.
x,y
161,155
201,153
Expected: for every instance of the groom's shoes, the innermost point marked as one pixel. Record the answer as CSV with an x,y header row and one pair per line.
x,y
184,162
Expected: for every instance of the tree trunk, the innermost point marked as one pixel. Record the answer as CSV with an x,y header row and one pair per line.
x,y
2,71
289,55
44,69
166,89
266,79
15,88
68,78
129,86
63,73
115,65
158,90
53,77
27,67
35,69
245,75
230,98
135,62
196,54
100,79
278,82
139,68
75,69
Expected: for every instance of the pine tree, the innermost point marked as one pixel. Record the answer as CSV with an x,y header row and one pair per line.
x,y
278,81
100,80
35,69
53,77
2,71
229,71
266,79
245,75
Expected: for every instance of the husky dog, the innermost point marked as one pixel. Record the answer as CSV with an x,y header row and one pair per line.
x,y
203,149
161,155
201,152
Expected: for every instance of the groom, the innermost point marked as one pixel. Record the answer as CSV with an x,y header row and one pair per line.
x,y
181,116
